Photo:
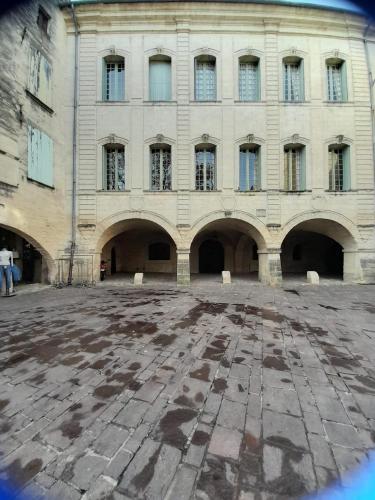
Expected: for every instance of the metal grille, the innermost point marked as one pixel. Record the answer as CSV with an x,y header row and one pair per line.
x,y
205,81
249,164
248,81
336,169
334,79
161,169
115,81
115,168
205,169
292,81
292,169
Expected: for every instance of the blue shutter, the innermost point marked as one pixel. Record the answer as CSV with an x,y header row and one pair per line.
x,y
258,93
344,82
258,170
346,169
40,157
160,80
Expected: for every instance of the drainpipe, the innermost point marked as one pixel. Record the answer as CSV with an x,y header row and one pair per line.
x,y
74,169
371,82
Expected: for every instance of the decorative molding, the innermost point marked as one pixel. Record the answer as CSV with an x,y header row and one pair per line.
x,y
340,139
159,138
250,138
205,137
295,138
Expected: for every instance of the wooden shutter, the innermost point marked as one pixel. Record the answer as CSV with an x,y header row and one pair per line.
x,y
346,169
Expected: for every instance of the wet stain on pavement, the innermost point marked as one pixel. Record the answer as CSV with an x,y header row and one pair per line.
x,y
170,426
275,362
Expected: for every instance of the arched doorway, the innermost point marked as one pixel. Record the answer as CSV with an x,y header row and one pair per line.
x,y
211,257
320,245
226,244
138,246
26,256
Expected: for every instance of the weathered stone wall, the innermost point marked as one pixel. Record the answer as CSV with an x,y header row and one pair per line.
x,y
39,213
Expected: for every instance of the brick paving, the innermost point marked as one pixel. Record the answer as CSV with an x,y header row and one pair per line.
x,y
237,392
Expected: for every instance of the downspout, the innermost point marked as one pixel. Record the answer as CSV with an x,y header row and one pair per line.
x,y
74,169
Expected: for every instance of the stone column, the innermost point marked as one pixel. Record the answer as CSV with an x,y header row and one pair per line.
x,y
359,266
183,267
270,266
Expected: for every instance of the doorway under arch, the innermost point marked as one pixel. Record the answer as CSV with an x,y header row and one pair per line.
x,y
211,257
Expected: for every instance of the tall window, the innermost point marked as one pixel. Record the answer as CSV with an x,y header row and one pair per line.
x,y
336,80
40,77
161,168
160,78
114,167
294,168
205,168
205,78
249,167
113,79
293,79
40,157
339,167
248,79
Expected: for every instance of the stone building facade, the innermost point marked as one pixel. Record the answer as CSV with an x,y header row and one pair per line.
x,y
210,136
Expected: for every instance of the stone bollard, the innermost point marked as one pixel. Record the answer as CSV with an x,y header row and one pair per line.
x,y
313,277
226,277
138,278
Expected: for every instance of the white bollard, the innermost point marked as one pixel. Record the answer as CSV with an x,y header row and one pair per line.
x,y
313,277
138,278
226,277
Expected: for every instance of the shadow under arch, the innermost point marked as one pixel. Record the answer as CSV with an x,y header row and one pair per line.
x,y
320,244
48,263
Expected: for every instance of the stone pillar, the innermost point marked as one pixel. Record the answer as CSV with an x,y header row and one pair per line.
x,y
183,267
270,267
359,266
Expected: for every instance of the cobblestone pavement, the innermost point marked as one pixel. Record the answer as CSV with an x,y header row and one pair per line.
x,y
235,392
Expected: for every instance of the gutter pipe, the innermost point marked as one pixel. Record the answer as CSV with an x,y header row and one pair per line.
x,y
74,169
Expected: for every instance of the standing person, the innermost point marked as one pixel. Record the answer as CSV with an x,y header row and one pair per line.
x,y
6,261
103,268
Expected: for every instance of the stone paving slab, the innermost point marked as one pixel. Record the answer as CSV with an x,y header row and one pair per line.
x,y
245,393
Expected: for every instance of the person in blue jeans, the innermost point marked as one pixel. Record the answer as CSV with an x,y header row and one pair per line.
x,y
6,263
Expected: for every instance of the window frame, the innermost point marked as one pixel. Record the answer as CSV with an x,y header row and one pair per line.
x,y
289,60
336,61
160,58
162,148
346,168
205,58
251,147
249,59
287,167
206,147
46,18
117,60
105,147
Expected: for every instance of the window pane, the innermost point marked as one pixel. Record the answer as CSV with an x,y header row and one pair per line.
x,y
205,81
205,170
292,82
336,170
293,165
161,169
160,80
155,169
115,81
248,81
115,169
249,169
334,80
167,181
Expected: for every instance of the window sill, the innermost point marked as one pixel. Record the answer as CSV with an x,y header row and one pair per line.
x,y
338,103
112,103
258,101
251,192
159,103
334,191
40,184
294,102
205,102
206,191
160,191
285,191
38,101
104,191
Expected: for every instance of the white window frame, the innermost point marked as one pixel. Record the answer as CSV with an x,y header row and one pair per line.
x,y
149,54
116,147
258,88
205,148
252,148
163,149
301,175
100,165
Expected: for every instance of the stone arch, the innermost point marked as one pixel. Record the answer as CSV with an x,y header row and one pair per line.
x,y
49,265
249,224
116,223
328,227
331,224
